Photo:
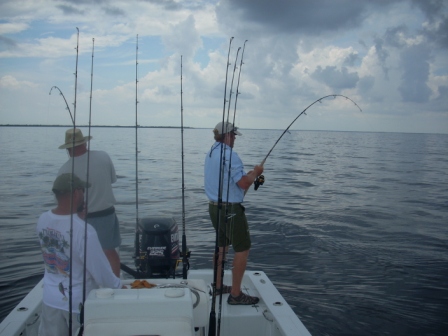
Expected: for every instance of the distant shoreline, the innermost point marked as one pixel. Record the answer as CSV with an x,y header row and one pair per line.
x,y
19,125
187,127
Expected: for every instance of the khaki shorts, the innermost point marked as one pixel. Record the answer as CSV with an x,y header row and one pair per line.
x,y
55,322
236,232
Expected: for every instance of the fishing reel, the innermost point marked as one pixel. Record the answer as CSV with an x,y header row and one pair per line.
x,y
258,181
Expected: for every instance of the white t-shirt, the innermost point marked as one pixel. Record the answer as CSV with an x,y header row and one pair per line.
x,y
54,236
101,176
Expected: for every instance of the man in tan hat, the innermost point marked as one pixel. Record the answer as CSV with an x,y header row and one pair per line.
x,y
235,230
101,200
53,230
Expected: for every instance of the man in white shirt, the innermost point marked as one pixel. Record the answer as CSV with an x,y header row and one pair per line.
x,y
53,230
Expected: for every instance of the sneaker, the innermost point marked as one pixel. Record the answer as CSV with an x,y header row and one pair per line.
x,y
242,299
225,290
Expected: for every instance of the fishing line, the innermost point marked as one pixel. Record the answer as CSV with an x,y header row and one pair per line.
x,y
257,182
212,318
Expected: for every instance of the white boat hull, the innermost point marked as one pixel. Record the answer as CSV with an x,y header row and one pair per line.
x,y
174,307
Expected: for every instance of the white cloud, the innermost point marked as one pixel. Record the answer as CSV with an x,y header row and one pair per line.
x,y
9,82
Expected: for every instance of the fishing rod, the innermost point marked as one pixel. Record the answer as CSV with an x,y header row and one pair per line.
x,y
227,216
81,322
184,237
136,242
212,318
65,100
238,83
70,286
260,179
233,122
223,163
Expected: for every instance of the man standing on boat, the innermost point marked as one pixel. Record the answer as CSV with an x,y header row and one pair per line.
x,y
101,200
53,230
234,230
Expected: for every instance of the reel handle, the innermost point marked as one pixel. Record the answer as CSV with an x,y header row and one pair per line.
x,y
260,179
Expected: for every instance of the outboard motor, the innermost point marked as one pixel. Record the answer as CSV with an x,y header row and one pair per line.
x,y
157,252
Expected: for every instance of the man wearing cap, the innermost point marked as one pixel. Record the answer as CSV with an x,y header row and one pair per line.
x,y
53,230
101,200
234,230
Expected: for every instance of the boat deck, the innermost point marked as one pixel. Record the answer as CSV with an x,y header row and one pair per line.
x,y
272,316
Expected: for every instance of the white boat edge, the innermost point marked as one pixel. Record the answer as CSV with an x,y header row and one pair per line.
x,y
272,316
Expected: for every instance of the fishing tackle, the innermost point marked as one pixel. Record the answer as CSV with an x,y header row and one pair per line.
x,y
303,112
258,181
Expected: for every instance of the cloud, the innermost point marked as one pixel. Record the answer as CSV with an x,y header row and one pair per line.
x,y
183,38
9,82
299,17
415,65
336,79
12,28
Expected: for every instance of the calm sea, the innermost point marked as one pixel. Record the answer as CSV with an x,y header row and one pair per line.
x,y
351,227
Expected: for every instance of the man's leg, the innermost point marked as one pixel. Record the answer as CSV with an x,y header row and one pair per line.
x,y
239,267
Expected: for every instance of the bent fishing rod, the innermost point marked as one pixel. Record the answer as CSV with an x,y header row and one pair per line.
x,y
65,100
212,317
260,179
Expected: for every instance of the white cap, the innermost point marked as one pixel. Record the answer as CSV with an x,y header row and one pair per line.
x,y
226,128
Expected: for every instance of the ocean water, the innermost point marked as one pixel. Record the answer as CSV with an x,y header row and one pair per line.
x,y
351,227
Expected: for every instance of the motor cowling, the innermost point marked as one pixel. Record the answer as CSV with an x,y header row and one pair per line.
x,y
157,250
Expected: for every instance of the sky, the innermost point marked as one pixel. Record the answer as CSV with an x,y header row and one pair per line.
x,y
388,56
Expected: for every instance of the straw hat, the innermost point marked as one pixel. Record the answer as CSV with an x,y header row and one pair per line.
x,y
77,135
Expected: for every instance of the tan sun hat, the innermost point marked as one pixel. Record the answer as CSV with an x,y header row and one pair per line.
x,y
77,135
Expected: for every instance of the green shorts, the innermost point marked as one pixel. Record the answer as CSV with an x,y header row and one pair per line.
x,y
236,232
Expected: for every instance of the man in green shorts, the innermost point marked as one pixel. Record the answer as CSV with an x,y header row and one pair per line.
x,y
235,230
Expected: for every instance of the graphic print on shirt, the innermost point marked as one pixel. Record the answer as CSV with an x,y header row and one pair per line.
x,y
53,246
62,290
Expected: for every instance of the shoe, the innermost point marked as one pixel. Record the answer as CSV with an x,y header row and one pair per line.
x,y
242,299
225,290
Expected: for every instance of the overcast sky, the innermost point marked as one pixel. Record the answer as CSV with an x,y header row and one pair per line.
x,y
389,56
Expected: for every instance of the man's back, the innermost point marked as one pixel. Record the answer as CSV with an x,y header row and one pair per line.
x,y
101,175
54,236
